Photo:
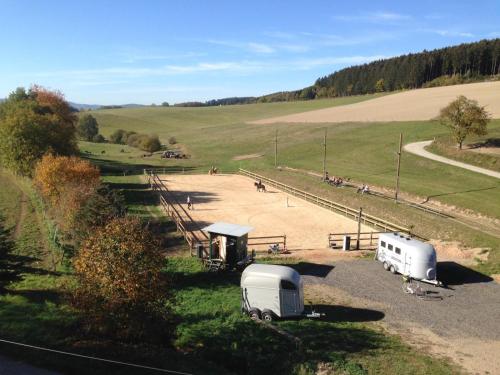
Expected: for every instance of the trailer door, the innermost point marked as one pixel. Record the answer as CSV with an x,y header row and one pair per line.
x,y
407,257
289,299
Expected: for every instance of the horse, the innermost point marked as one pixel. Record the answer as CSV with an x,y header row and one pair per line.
x,y
260,186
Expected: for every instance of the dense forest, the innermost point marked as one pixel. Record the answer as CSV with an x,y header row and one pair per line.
x,y
468,62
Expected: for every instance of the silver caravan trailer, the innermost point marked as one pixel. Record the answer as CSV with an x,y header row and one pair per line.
x,y
268,291
407,256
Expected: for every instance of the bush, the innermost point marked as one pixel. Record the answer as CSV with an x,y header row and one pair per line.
x,y
104,205
87,127
98,138
121,288
172,140
65,183
120,136
149,143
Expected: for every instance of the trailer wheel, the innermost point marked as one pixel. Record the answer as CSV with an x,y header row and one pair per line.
x,y
254,314
386,266
392,269
267,316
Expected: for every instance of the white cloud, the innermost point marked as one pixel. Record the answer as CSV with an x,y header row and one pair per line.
x,y
451,33
114,75
376,17
249,46
260,48
494,34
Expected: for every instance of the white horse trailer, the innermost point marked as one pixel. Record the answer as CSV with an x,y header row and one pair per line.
x,y
269,290
408,256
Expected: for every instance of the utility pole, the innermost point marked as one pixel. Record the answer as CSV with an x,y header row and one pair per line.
x,y
276,150
324,156
399,166
359,227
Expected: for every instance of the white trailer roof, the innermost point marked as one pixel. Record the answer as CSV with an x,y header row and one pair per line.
x,y
405,240
270,271
227,229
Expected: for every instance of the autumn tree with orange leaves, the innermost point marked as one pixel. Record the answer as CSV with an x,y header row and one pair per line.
x,y
66,183
121,287
33,123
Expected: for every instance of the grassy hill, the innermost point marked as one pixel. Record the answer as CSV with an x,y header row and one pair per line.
x,y
365,152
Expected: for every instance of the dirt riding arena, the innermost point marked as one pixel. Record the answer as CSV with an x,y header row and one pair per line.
x,y
234,199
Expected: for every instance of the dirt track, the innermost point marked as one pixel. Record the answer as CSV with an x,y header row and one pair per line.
x,y
421,104
234,199
418,148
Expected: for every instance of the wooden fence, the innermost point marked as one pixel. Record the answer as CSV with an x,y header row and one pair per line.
x,y
352,213
367,240
178,213
268,240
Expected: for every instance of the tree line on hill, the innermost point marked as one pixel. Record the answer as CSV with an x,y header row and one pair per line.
x,y
468,62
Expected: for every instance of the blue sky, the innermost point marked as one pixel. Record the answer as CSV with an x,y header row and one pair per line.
x,y
116,52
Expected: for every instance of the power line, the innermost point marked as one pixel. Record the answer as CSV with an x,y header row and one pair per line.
x,y
95,358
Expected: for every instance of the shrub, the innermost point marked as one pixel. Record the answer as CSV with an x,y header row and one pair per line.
x,y
98,138
104,205
121,288
172,140
65,183
87,128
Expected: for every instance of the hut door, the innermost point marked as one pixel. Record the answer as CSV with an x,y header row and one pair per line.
x,y
231,254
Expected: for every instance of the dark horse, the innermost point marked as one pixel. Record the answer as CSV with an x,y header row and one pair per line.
x,y
260,186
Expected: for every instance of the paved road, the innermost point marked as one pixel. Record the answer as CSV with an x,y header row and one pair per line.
x,y
417,148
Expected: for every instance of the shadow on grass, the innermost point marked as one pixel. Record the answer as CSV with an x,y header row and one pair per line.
x,y
118,168
428,198
490,142
337,313
451,273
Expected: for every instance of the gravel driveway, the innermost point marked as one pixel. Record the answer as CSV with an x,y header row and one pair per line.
x,y
470,306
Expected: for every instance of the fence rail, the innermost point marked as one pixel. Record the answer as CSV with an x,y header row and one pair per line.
x,y
366,219
367,240
269,240
177,212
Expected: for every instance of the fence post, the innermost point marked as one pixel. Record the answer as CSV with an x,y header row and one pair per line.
x,y
371,238
359,227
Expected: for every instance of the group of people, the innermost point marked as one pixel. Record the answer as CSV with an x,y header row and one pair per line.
x,y
363,189
212,170
335,181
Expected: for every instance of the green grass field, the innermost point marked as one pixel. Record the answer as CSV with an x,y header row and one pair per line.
x,y
365,152
211,334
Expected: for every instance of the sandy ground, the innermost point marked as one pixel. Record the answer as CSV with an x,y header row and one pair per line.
x,y
234,199
420,104
249,156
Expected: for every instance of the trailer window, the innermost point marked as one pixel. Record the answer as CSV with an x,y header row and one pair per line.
x,y
287,285
389,246
382,243
398,250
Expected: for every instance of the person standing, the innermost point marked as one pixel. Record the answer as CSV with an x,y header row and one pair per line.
x,y
189,203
